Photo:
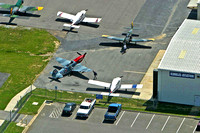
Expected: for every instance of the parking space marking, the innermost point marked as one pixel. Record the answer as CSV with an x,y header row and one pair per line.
x,y
150,121
194,129
74,117
165,124
120,117
56,112
135,119
180,125
90,115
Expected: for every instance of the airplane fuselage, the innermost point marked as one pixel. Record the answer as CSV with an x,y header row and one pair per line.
x,y
128,37
79,17
64,71
16,8
68,68
115,85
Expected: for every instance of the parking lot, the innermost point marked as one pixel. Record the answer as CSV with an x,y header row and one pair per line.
x,y
50,120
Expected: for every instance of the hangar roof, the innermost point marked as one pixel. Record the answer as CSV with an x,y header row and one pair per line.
x,y
183,52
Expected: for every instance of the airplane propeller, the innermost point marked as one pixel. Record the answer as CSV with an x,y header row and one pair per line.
x,y
78,53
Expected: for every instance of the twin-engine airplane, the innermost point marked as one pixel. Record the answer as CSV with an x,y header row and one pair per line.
x,y
69,67
114,86
77,19
18,8
127,39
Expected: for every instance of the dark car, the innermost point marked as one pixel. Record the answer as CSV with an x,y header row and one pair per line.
x,y
69,108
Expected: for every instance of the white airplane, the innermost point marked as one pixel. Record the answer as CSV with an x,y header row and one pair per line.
x,y
78,18
115,85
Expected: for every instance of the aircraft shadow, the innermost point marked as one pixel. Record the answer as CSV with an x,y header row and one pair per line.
x,y
8,23
79,75
21,14
132,45
118,91
90,24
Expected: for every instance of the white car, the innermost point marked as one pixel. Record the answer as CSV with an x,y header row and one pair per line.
x,y
86,107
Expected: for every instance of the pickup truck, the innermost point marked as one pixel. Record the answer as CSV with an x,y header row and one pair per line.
x,y
86,107
113,111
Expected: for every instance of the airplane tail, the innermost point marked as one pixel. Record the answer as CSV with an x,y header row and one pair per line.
x,y
71,26
132,25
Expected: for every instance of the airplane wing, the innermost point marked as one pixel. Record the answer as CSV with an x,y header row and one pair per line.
x,y
130,86
113,38
142,40
91,20
30,8
62,61
110,94
99,83
65,15
6,6
80,68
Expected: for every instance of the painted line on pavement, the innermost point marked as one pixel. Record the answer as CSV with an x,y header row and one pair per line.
x,y
150,121
120,117
165,124
180,125
135,119
194,129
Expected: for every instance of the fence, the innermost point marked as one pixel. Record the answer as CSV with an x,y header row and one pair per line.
x,y
13,113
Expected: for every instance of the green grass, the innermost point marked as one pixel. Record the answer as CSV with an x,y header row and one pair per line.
x,y
39,95
30,109
13,128
22,55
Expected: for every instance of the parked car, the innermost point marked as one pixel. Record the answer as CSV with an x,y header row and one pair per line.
x,y
86,107
198,127
113,111
69,108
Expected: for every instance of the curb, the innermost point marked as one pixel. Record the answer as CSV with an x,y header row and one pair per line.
x,y
33,119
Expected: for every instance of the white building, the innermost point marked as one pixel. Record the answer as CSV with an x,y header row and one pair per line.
x,y
179,69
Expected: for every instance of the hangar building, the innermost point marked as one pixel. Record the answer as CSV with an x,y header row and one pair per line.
x,y
179,69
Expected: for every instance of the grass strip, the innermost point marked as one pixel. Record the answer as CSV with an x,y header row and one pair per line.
x,y
39,95
24,53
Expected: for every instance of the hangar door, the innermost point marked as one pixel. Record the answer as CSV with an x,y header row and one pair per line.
x,y
197,100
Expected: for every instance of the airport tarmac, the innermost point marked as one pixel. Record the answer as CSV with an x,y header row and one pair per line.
x,y
155,19
161,22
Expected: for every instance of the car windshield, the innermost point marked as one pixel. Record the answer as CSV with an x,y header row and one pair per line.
x,y
68,106
84,107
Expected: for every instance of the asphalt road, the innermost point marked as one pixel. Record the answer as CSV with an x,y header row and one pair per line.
x,y
50,120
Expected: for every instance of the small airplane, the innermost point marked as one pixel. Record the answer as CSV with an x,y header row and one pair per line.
x,y
69,67
127,39
18,8
78,18
114,86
